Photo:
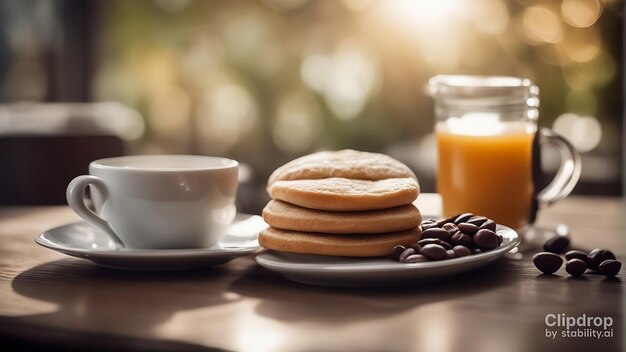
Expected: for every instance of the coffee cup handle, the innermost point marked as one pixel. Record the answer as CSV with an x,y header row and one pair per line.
x,y
569,172
75,199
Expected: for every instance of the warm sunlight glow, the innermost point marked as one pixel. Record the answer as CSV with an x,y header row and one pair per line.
x,y
433,26
423,14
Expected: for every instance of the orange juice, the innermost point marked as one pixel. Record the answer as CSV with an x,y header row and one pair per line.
x,y
486,171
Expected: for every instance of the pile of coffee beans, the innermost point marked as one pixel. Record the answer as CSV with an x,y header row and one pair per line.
x,y
577,262
458,236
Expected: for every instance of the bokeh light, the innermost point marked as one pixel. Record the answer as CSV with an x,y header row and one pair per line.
x,y
345,78
595,73
433,28
228,115
581,13
490,16
202,62
267,80
169,111
425,15
297,123
159,68
584,132
313,71
541,24
250,36
581,45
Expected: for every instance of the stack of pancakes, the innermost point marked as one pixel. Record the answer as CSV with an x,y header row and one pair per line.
x,y
344,203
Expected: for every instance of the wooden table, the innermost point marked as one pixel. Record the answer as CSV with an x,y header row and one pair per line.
x,y
46,297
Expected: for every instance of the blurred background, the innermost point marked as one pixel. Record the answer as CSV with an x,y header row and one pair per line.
x,y
265,81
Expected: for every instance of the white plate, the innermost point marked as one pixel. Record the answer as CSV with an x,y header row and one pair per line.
x,y
371,272
83,241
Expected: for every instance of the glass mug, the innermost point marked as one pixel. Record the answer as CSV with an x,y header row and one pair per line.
x,y
486,132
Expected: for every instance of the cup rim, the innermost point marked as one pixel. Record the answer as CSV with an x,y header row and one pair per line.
x,y
218,163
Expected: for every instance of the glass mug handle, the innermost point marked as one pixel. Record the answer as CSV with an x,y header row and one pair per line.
x,y
75,195
569,172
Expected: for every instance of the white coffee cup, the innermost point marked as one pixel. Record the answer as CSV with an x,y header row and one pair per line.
x,y
159,201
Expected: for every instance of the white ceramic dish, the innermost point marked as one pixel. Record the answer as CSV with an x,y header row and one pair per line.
x,y
372,272
84,241
188,199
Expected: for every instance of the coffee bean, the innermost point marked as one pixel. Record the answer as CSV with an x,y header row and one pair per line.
x,y
500,239
430,225
462,218
452,237
415,258
446,245
576,254
417,247
451,228
437,233
461,251
547,262
610,267
437,241
396,251
442,222
434,252
485,239
425,241
556,244
597,256
462,239
477,220
405,253
576,267
489,225
467,228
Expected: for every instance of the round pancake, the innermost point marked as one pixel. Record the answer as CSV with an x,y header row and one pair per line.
x,y
342,194
344,163
361,245
288,216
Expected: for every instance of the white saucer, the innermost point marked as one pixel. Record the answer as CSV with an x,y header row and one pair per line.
x,y
83,241
371,272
